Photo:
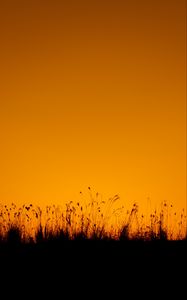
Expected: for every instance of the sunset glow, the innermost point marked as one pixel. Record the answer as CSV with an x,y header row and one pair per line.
x,y
93,93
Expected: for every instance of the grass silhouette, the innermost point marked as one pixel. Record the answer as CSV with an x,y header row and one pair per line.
x,y
90,241
94,220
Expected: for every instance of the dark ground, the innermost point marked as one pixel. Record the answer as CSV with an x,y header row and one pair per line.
x,y
110,266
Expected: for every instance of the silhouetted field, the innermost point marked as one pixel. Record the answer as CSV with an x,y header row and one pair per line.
x,y
87,244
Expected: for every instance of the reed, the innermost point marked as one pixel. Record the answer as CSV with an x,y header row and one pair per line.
x,y
95,219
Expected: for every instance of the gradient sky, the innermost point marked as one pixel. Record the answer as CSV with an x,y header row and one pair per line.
x,y
93,93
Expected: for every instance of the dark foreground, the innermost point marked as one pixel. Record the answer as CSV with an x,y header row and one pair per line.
x,y
112,265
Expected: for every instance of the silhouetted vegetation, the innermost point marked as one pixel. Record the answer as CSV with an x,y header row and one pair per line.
x,y
91,241
94,220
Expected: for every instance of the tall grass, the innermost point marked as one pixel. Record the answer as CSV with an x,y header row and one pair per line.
x,y
96,219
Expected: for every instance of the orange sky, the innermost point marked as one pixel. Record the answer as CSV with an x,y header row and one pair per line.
x,y
92,93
